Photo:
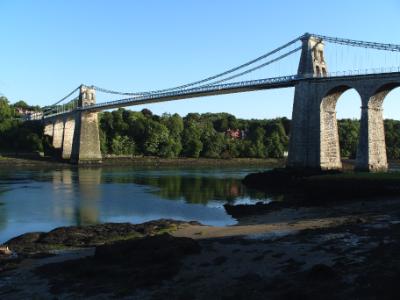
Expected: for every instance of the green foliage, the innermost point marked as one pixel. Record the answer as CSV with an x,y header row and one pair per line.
x,y
122,145
392,136
18,136
191,140
156,139
274,146
348,137
24,105
196,135
125,132
205,135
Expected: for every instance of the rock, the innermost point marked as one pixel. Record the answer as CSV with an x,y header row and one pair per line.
x,y
322,272
219,260
153,249
30,244
121,267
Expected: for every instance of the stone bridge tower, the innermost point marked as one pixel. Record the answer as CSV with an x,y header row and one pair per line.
x,y
312,59
307,119
85,146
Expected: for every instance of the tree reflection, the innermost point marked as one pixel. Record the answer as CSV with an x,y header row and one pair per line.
x,y
199,189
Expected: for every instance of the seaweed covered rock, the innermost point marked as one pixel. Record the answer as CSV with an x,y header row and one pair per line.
x,y
88,236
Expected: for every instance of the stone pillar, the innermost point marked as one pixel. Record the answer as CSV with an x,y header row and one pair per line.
x,y
86,140
329,137
58,134
371,151
49,129
69,129
304,143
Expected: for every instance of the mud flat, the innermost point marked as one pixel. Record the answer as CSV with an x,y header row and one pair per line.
x,y
337,251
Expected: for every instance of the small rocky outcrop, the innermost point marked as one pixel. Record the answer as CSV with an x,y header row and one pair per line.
x,y
30,244
121,267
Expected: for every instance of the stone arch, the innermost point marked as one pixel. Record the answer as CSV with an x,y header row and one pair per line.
x,y
372,154
329,136
376,100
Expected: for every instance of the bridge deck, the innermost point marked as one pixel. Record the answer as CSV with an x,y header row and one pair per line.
x,y
231,88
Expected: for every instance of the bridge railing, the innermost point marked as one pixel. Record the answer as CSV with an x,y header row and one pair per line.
x,y
357,72
201,89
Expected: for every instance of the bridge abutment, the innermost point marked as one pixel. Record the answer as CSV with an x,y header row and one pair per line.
x,y
86,142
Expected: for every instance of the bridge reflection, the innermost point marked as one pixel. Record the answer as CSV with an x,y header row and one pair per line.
x,y
83,185
40,200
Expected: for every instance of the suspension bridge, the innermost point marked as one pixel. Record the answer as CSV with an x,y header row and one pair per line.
x,y
314,143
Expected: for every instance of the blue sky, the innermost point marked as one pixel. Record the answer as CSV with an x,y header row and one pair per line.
x,y
50,47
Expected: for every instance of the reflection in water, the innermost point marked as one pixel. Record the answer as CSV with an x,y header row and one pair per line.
x,y
42,199
3,213
83,184
89,192
192,187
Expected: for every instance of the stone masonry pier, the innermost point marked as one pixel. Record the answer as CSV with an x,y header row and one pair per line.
x,y
77,133
314,139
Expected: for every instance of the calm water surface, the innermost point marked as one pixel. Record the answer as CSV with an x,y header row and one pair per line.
x,y
42,199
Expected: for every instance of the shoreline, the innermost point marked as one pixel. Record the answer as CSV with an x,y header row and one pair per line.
x,y
314,184
144,161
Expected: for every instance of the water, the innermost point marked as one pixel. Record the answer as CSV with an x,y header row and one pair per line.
x,y
42,199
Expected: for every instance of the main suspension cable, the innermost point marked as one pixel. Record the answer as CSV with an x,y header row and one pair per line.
x,y
62,99
357,43
205,79
255,68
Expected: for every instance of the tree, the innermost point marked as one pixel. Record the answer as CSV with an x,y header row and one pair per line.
x,y
122,145
21,104
156,137
348,137
191,142
5,110
274,146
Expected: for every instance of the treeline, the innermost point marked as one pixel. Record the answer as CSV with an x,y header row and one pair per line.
x,y
125,132
18,136
211,135
221,135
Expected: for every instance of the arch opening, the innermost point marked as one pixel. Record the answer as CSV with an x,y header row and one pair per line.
x,y
339,133
386,101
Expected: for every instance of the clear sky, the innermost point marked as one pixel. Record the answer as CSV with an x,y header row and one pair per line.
x,y
48,47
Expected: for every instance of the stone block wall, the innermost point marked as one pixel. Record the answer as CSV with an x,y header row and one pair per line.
x,y
314,141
